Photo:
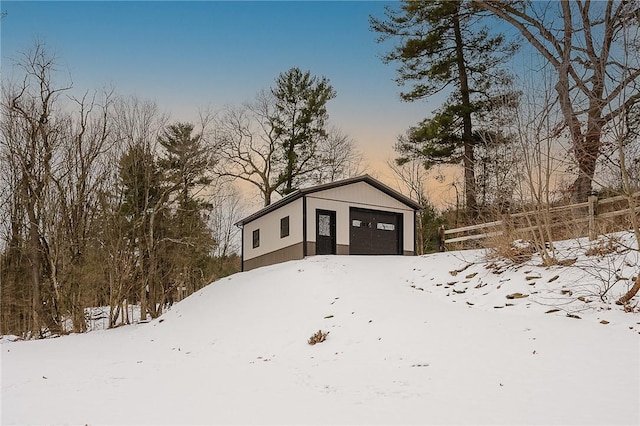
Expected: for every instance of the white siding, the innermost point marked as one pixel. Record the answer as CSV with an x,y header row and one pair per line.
x,y
361,195
269,226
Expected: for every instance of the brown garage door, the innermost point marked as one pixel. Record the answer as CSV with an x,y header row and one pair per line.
x,y
374,232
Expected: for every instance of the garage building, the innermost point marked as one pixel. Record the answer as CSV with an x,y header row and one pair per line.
x,y
357,216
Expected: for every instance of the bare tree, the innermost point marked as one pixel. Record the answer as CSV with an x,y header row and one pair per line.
x,y
227,210
55,148
624,138
411,177
497,155
138,124
534,132
31,136
338,158
281,140
412,180
584,43
102,203
248,145
81,176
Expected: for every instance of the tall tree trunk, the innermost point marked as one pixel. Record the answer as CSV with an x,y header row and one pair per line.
x,y
586,158
267,195
291,163
594,62
467,130
35,265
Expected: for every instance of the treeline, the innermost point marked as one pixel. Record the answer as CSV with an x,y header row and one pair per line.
x,y
106,202
560,125
101,205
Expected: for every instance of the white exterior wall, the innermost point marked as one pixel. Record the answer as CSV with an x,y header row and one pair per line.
x,y
360,195
269,226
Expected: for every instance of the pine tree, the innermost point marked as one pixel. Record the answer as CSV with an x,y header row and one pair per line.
x,y
300,120
185,162
443,48
140,181
188,242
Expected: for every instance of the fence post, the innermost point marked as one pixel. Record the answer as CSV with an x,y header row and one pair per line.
x,y
593,204
441,238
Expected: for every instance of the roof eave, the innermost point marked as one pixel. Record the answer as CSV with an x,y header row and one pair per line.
x,y
302,192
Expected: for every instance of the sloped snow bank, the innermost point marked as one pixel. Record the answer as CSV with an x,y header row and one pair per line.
x,y
412,340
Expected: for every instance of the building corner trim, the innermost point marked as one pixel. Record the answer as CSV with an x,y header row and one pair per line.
x,y
304,226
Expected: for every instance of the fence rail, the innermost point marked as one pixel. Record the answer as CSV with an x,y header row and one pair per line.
x,y
588,218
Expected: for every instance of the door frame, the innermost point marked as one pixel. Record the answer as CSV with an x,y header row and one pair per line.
x,y
333,229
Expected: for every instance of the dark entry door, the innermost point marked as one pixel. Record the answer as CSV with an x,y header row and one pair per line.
x,y
374,232
325,232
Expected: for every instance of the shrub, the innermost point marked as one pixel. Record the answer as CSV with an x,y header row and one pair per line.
x,y
517,252
604,247
318,337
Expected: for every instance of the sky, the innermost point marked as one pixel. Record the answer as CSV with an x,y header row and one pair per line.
x,y
191,55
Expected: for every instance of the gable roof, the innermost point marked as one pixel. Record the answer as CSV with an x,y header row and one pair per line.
x,y
305,191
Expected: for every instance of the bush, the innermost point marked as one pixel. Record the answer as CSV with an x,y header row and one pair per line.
x,y
604,247
515,251
318,337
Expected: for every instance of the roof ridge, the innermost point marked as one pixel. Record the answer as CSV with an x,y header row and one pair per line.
x,y
330,185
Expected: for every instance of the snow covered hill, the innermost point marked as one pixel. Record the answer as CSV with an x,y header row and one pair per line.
x,y
448,338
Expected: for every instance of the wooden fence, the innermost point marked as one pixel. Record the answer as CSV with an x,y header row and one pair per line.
x,y
589,218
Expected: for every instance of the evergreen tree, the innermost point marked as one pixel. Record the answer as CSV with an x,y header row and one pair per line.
x,y
185,162
299,122
140,181
167,240
189,242
140,178
442,47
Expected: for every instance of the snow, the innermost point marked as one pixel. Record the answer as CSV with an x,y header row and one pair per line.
x,y
411,341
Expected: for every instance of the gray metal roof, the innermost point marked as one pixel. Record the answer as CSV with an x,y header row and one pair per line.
x,y
301,192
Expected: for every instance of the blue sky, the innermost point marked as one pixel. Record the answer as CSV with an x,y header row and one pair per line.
x,y
187,55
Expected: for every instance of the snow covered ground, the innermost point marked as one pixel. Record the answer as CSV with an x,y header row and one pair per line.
x,y
412,340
